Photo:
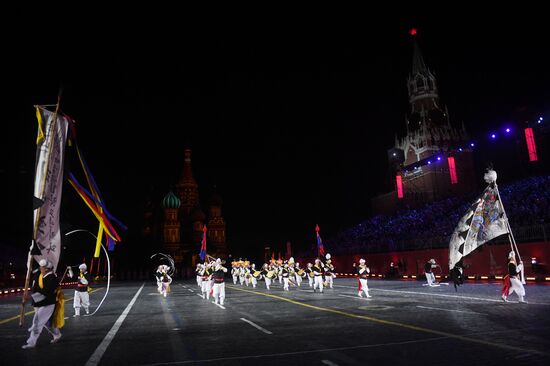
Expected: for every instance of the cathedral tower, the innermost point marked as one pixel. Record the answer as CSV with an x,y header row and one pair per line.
x,y
171,226
216,227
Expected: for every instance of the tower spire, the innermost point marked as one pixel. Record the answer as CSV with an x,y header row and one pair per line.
x,y
419,66
187,186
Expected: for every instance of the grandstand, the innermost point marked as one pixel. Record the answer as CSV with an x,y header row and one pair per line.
x,y
526,201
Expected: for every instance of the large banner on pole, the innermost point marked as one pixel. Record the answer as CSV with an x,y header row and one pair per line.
x,y
48,185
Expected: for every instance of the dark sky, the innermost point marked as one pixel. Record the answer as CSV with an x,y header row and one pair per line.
x,y
291,121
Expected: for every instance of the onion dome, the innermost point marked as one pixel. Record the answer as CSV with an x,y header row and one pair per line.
x,y
171,201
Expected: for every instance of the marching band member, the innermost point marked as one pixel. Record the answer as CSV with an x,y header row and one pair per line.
x,y
218,275
280,270
285,273
268,273
514,271
235,271
430,278
247,274
242,273
298,274
253,279
43,296
309,273
166,281
329,271
198,274
81,296
363,272
318,275
206,284
158,276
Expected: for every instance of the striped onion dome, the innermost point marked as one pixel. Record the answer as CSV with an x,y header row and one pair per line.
x,y
171,201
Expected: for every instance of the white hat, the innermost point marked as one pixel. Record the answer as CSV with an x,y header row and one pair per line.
x,y
218,260
432,261
327,256
83,267
45,263
362,261
511,255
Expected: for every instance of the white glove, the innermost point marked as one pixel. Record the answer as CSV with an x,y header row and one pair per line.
x,y
71,274
368,270
83,281
519,267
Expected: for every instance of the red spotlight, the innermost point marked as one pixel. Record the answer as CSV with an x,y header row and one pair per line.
x,y
452,169
412,32
399,182
531,146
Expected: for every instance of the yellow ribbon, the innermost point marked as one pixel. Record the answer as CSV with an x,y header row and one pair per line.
x,y
40,136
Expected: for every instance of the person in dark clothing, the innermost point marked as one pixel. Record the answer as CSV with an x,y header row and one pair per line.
x,y
43,297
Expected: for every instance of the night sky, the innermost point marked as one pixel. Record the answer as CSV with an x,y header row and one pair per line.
x,y
291,122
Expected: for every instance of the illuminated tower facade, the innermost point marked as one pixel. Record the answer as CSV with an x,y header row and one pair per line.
x,y
437,161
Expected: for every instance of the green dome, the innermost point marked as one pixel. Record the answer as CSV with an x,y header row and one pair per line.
x,y
171,201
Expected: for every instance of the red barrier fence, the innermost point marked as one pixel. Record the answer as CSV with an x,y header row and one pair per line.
x,y
488,260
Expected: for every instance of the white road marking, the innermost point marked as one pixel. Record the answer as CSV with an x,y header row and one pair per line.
x,y
256,326
329,363
218,305
190,290
200,295
456,311
100,350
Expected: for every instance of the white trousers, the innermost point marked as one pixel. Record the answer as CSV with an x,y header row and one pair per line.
x,y
285,283
235,279
298,280
206,287
164,290
241,280
364,287
267,282
41,317
81,299
310,279
199,281
328,278
517,286
254,282
430,278
318,282
219,293
159,286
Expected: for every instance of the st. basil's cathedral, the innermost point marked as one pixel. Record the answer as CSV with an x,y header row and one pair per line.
x,y
176,222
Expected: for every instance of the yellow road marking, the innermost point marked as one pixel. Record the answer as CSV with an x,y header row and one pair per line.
x,y
3,321
397,324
